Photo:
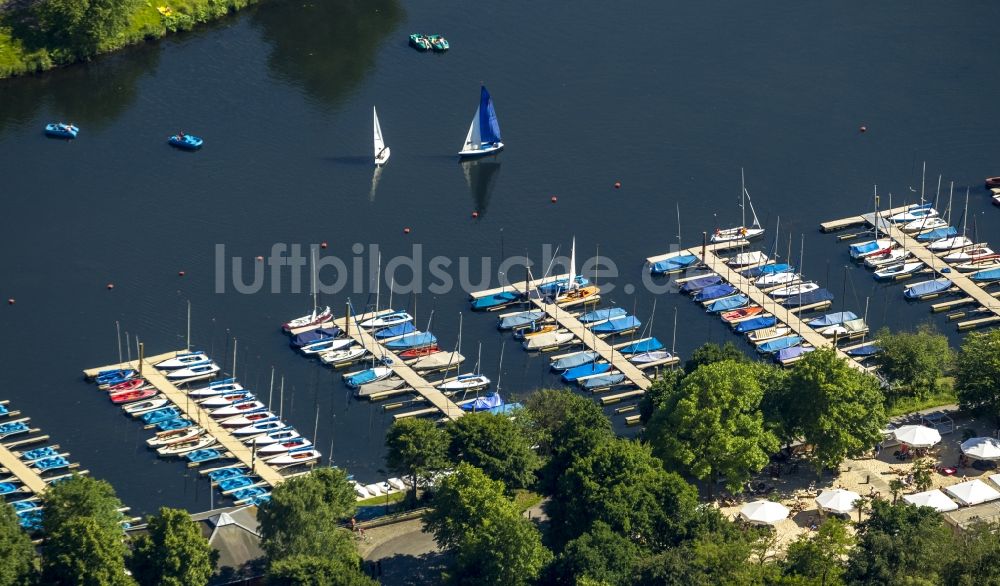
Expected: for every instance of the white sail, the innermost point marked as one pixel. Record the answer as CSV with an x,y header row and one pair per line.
x,y
572,267
472,140
381,151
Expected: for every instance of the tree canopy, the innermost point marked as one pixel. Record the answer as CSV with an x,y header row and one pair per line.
x,y
497,445
914,361
837,409
82,26
416,448
710,353
820,557
81,496
173,552
977,374
306,570
82,551
713,425
899,544
602,555
492,543
17,554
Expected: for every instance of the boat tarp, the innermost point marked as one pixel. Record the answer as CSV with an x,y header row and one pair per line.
x,y
831,319
485,403
603,380
556,287
927,287
505,409
786,354
714,292
808,298
396,330
306,338
700,283
779,344
618,324
673,263
728,303
862,351
574,360
649,345
937,234
756,323
987,275
412,340
768,269
602,314
520,319
585,370
496,299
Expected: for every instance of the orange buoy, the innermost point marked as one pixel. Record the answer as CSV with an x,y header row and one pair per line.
x,y
323,244
10,301
618,184
180,273
406,230
475,214
260,259
554,199
111,286
863,129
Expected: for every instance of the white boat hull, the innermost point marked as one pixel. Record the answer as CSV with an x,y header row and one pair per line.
x,y
481,152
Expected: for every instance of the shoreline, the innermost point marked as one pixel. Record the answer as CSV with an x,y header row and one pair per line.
x,y
150,21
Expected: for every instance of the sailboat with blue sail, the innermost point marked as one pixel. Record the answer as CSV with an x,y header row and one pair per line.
x,y
484,132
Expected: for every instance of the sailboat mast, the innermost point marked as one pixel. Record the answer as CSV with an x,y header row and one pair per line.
x,y
923,176
673,344
378,283
678,225
965,215
189,327
951,193
743,200
315,303
572,267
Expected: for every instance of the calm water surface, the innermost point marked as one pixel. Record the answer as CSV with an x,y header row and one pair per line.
x,y
669,98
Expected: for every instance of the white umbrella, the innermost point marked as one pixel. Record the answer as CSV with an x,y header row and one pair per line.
x,y
934,499
917,436
972,492
764,512
838,500
982,448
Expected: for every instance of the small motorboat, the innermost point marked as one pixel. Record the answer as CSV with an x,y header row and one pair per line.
x,y
129,385
604,381
370,375
420,42
996,200
677,262
201,370
993,182
466,382
183,361
140,407
281,447
187,142
535,331
174,424
345,356
521,319
254,495
699,283
61,130
294,457
573,360
216,388
110,381
891,272
742,314
865,249
228,485
131,396
438,43
224,400
418,352
162,414
313,336
437,361
949,243
191,445
796,289
166,438
547,340
887,257
387,320
52,463
105,376
39,453
757,323
224,473
747,258
379,386
315,318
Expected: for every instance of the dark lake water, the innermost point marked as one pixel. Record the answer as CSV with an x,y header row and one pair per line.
x,y
669,98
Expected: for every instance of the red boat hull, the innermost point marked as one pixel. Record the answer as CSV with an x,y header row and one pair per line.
x,y
131,396
418,352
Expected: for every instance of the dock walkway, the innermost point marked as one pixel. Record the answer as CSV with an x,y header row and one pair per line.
x,y
194,412
28,476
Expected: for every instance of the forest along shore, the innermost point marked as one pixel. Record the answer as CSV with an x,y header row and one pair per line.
x,y
40,35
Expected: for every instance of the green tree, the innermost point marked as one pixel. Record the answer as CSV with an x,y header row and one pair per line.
x,y
914,361
900,544
710,353
417,448
834,407
713,425
623,485
305,570
17,555
820,559
82,26
497,445
82,551
304,515
976,557
81,496
601,555
491,542
724,558
664,386
172,552
977,374
563,425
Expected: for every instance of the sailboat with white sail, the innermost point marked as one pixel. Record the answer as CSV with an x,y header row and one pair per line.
x,y
315,318
741,232
381,151
484,132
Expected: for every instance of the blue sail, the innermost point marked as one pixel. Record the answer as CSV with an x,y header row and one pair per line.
x,y
489,128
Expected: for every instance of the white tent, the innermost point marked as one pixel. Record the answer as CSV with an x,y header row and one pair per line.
x,y
917,436
982,448
837,500
764,512
972,492
934,499
995,478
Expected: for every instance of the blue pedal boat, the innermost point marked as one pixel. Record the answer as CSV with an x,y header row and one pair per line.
x,y
60,130
187,142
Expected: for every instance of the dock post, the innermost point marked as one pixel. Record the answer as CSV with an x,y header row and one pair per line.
x,y
704,246
142,352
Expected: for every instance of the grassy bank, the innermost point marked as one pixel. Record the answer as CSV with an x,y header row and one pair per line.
x,y
944,396
22,50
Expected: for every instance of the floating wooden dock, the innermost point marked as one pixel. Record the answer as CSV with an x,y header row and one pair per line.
x,y
27,475
410,377
834,225
227,441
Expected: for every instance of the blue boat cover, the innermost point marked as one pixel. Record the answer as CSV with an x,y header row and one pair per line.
x,y
987,275
917,290
768,269
160,415
520,319
808,298
756,323
7,487
714,292
585,357
772,346
831,319
793,352
202,455
365,376
396,330
618,324
486,403
495,300
728,303
413,340
603,381
650,345
235,482
39,453
700,283
306,338
673,264
864,247
505,409
937,234
489,128
866,350
602,314
585,370
224,473
557,287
